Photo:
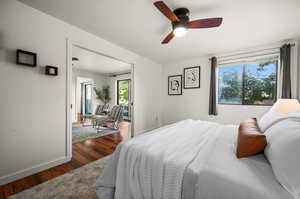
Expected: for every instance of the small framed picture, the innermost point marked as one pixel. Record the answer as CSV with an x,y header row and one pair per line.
x,y
26,58
51,70
175,85
191,77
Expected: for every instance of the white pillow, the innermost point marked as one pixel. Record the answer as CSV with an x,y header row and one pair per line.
x,y
283,152
269,118
272,117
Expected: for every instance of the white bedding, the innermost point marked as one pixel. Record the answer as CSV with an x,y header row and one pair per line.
x,y
188,159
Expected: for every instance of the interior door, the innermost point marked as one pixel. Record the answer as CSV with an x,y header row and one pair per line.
x,y
123,97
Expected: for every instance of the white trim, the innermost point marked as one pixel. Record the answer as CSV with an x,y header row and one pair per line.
x,y
146,130
132,98
68,99
32,170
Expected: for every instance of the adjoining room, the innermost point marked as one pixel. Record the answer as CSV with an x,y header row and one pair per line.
x,y
101,95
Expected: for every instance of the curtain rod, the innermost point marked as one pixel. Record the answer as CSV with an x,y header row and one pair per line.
x,y
251,56
249,52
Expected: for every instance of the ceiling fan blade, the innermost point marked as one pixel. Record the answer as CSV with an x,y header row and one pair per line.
x,y
166,11
205,23
168,38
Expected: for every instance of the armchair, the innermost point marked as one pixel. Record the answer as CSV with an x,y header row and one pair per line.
x,y
114,116
100,110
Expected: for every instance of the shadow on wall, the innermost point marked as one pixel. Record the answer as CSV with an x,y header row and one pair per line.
x,y
9,56
6,55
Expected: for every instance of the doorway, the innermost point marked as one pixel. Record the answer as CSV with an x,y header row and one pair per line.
x,y
123,97
90,73
86,98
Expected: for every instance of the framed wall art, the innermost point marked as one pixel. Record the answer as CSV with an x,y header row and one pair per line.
x,y
26,58
175,85
191,77
51,70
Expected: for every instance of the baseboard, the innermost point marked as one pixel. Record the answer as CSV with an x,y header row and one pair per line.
x,y
145,131
29,171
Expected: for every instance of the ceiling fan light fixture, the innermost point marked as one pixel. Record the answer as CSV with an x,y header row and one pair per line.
x,y
180,21
180,31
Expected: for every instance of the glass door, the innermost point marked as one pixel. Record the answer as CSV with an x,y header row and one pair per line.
x,y
123,97
88,99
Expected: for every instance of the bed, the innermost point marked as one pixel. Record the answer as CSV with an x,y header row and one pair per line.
x,y
186,160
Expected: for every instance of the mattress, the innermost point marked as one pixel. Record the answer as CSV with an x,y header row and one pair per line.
x,y
186,160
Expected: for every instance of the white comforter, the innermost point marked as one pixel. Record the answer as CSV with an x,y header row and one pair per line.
x,y
189,159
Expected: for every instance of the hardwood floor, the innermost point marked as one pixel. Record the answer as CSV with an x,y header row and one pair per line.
x,y
83,153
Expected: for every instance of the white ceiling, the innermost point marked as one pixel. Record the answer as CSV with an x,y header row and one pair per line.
x,y
91,61
138,26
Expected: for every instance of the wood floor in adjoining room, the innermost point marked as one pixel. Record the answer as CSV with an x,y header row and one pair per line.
x,y
83,152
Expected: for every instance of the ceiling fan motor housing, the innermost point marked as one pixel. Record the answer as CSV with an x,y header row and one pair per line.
x,y
183,15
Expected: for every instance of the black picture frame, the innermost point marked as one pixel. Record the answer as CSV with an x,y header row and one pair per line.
x,y
51,70
199,77
26,58
179,77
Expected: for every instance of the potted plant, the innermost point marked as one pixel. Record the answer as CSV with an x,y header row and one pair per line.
x,y
103,94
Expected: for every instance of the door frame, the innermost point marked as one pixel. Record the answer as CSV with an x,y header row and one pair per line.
x,y
70,106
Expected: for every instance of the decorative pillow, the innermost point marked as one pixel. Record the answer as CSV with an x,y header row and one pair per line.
x,y
269,119
281,109
283,152
250,139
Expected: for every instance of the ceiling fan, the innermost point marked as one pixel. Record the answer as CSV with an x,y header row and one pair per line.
x,y
181,21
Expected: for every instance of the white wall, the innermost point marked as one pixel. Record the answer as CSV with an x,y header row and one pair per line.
x,y
194,102
33,106
79,76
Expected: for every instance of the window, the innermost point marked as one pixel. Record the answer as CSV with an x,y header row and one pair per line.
x,y
123,97
88,99
253,83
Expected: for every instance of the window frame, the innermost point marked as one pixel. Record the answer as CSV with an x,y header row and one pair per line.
x,y
244,63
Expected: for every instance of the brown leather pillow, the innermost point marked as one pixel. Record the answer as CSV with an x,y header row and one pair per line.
x,y
250,139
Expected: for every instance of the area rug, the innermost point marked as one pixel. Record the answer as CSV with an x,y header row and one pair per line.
x,y
77,184
80,133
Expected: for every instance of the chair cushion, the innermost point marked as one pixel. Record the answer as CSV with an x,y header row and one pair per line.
x,y
99,109
115,112
105,107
